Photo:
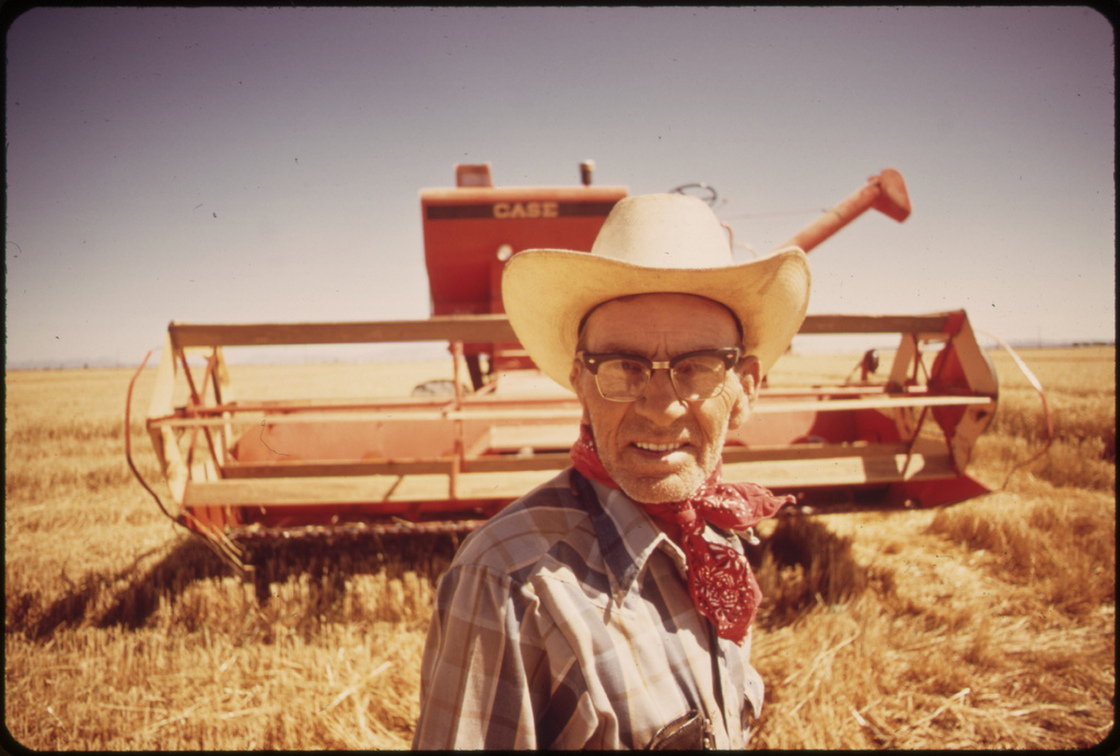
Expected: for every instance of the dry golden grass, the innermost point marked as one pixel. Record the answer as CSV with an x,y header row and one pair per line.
x,y
988,624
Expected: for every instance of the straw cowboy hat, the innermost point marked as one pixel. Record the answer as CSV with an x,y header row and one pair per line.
x,y
656,243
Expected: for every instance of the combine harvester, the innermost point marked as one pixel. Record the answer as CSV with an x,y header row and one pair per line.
x,y
244,470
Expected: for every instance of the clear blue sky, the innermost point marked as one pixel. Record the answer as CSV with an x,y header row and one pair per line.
x,y
225,165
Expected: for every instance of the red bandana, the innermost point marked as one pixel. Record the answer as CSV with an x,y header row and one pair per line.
x,y
720,579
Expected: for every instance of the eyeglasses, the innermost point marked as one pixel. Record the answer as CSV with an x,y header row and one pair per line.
x,y
695,375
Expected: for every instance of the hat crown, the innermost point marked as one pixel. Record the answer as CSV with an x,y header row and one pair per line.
x,y
672,231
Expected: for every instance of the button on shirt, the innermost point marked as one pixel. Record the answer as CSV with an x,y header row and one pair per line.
x,y
565,622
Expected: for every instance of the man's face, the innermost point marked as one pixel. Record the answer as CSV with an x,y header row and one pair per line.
x,y
660,448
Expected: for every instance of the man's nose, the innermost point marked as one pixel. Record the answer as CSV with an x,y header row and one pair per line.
x,y
660,404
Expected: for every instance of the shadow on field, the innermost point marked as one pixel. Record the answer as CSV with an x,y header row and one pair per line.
x,y
104,599
130,597
330,562
801,565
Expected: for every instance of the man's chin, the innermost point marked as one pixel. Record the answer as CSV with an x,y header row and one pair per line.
x,y
660,490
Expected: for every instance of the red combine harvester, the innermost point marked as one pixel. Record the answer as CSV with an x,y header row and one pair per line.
x,y
243,470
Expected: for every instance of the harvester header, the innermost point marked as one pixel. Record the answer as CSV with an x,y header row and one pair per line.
x,y
243,468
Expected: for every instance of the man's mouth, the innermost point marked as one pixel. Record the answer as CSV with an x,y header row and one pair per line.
x,y
659,448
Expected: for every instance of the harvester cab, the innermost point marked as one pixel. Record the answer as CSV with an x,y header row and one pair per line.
x,y
250,469
470,231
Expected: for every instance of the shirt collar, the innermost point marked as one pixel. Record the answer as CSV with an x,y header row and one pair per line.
x,y
628,536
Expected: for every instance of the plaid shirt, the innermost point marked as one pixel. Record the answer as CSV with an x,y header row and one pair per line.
x,y
565,622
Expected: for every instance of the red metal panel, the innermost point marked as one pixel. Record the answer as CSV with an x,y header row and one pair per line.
x,y
464,229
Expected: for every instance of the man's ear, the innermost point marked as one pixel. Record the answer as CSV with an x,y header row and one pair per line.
x,y
577,386
750,376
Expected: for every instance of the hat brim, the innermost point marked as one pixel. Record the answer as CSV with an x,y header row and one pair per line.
x,y
547,292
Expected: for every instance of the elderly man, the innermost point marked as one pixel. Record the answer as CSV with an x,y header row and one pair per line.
x,y
611,606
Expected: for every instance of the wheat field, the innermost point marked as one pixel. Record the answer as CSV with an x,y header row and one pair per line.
x,y
989,624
